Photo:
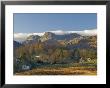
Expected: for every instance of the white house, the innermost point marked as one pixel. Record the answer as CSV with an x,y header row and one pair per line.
x,y
37,56
26,67
81,60
89,59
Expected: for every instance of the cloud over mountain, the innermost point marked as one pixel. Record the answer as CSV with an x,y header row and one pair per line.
x,y
22,36
85,32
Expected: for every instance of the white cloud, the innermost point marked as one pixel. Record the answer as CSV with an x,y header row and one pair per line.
x,y
59,32
85,32
23,36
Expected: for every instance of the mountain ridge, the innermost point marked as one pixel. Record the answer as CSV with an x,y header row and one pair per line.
x,y
72,40
23,36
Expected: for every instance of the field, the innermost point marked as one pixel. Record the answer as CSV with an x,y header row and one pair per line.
x,y
62,69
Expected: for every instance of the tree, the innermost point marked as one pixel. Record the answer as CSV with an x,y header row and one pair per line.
x,y
75,55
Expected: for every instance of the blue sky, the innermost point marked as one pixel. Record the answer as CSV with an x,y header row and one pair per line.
x,y
41,22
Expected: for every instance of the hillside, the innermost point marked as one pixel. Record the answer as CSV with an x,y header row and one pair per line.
x,y
52,49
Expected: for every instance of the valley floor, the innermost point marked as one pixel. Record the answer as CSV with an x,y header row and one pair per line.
x,y
62,70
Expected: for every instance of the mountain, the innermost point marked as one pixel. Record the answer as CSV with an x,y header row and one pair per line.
x,y
16,44
47,36
67,36
23,36
71,41
88,42
32,39
52,36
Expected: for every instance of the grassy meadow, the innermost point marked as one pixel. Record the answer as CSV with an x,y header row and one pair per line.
x,y
64,69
